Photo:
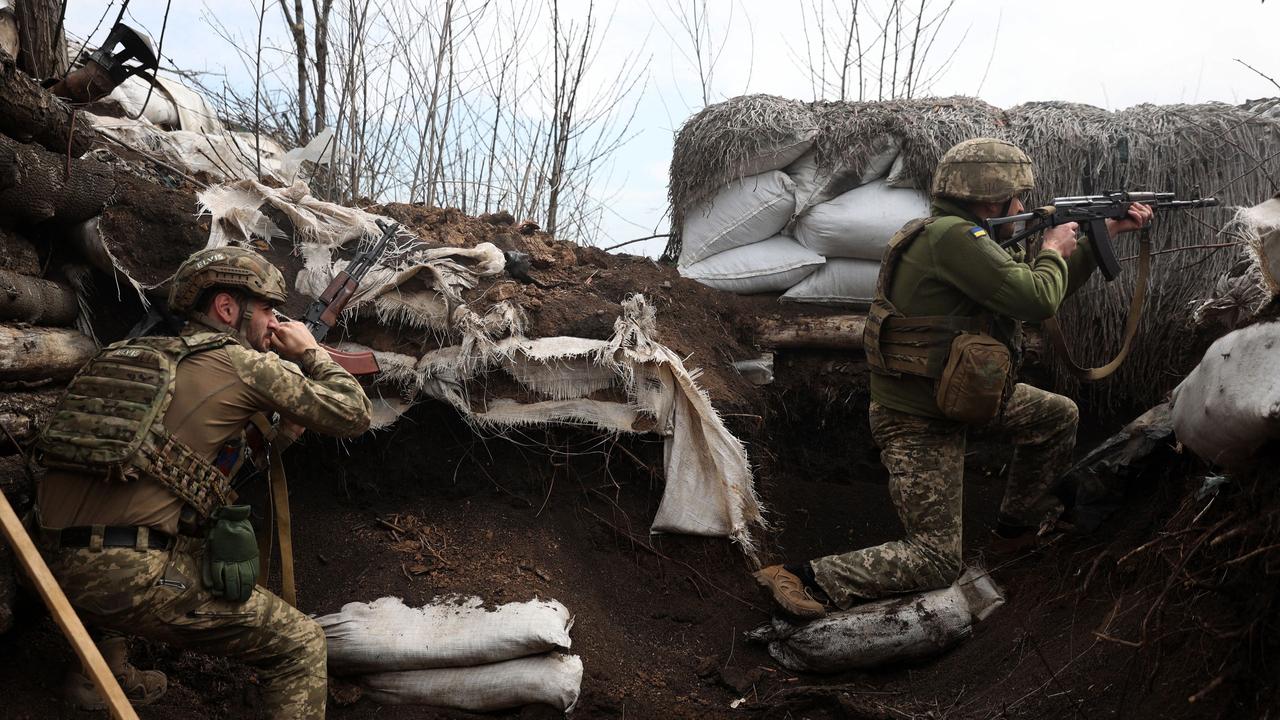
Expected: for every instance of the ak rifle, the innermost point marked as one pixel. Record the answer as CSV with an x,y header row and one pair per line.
x,y
1092,213
324,312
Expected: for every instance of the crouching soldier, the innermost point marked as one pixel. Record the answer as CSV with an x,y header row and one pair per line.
x,y
137,515
942,341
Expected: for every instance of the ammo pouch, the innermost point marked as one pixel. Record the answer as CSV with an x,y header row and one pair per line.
x,y
972,384
971,369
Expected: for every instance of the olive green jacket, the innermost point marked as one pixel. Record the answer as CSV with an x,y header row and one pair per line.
x,y
954,268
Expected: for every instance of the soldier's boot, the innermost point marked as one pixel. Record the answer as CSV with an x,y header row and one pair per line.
x,y
141,687
789,592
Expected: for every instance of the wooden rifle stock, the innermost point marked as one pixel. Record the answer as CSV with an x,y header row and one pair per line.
x,y
355,363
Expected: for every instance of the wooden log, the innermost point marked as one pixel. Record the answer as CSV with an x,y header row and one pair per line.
x,y
22,414
29,112
18,254
37,185
844,332
36,353
816,332
34,300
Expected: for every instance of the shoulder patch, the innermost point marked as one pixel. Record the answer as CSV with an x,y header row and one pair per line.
x,y
977,232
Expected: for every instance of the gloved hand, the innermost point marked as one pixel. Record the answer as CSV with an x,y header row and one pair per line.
x,y
231,554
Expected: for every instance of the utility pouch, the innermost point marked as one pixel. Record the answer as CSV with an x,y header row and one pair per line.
x,y
971,388
231,554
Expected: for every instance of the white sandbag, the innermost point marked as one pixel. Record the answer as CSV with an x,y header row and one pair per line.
x,y
859,223
816,184
841,281
743,212
172,105
1230,403
898,177
897,630
1263,220
551,679
769,266
387,635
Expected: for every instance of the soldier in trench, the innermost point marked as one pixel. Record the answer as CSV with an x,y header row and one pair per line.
x,y
136,513
942,343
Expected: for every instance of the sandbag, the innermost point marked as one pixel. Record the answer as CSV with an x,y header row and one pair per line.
x,y
817,184
859,223
1263,220
745,211
897,630
1229,405
769,266
552,679
386,634
840,281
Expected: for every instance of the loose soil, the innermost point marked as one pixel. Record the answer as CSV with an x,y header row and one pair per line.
x,y
432,507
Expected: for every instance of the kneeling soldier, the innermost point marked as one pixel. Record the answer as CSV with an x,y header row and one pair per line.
x,y
942,341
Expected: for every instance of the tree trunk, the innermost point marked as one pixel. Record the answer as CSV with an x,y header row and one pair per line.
x,y
43,46
40,187
36,353
28,112
33,300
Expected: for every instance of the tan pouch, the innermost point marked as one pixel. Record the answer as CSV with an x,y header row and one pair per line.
x,y
973,381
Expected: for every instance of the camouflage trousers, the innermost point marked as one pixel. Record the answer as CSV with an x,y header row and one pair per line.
x,y
157,594
925,460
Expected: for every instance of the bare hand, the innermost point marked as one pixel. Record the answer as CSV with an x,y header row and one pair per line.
x,y
1061,238
291,339
1139,216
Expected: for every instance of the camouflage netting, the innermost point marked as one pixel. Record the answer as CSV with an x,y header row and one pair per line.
x,y
1216,149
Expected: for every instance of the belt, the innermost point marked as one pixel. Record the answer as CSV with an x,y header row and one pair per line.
x,y
81,536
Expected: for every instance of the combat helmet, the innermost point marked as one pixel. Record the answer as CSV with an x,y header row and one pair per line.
x,y
233,268
982,170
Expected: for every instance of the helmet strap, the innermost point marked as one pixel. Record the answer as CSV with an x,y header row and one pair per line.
x,y
240,330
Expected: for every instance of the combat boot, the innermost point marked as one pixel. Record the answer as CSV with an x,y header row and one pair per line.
x,y
141,687
789,592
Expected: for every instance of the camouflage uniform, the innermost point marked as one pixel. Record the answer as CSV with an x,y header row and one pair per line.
x,y
925,459
954,269
157,592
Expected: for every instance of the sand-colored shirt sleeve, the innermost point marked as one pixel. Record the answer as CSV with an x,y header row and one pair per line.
x,y
326,399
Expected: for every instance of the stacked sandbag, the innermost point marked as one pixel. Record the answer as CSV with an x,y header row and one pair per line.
x,y
853,172
732,207
456,653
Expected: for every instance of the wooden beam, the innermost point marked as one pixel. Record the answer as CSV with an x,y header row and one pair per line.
x,y
36,353
816,332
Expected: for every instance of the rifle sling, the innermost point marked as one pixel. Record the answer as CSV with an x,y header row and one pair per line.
x,y
278,519
1130,327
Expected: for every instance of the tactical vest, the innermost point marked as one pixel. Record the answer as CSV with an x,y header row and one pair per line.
x,y
110,421
895,344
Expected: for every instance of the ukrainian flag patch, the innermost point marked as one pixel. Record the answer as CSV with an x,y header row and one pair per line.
x,y
977,232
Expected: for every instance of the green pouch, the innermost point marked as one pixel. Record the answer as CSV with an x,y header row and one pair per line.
x,y
231,554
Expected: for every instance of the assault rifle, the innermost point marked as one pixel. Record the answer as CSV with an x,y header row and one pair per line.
x,y
1092,213
323,313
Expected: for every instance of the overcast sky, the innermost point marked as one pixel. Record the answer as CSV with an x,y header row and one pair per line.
x,y
1109,53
